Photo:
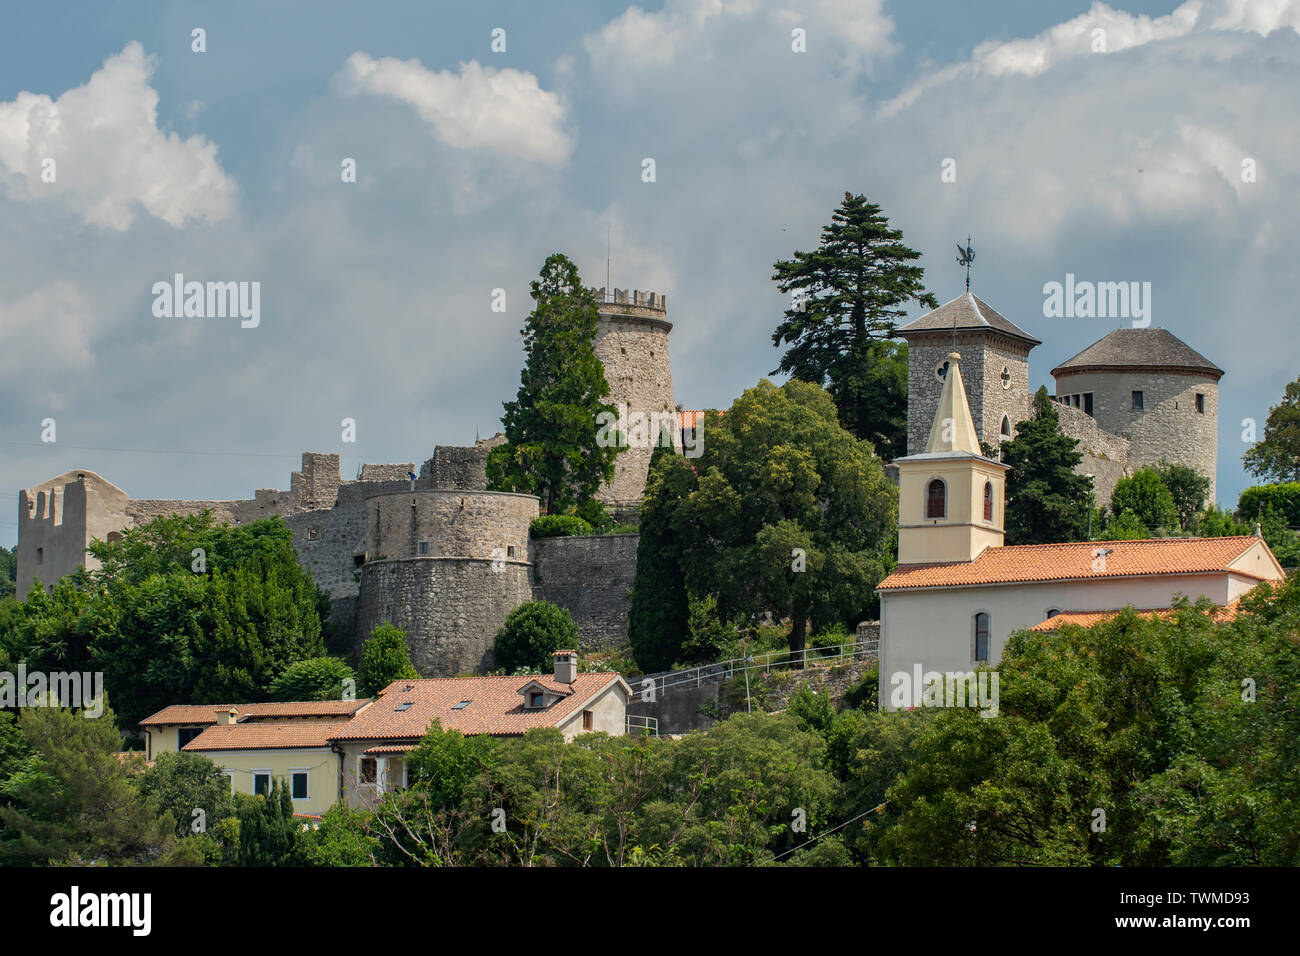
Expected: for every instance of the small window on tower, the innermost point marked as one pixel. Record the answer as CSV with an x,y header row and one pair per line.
x,y
424,547
1200,403
988,501
1006,428
1137,401
1087,403
1006,377
935,503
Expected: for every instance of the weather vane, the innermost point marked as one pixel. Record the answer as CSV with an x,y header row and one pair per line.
x,y
965,257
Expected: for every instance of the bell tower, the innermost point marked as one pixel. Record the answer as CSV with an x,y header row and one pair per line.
x,y
950,496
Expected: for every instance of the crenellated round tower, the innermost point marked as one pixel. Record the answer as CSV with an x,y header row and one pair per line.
x,y
632,345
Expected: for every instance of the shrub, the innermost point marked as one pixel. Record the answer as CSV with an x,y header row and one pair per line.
x,y
532,632
1283,498
1147,497
558,526
385,658
317,678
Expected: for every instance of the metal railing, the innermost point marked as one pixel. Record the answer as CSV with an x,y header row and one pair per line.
x,y
868,649
648,726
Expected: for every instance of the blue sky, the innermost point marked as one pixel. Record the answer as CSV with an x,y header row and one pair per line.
x,y
1114,165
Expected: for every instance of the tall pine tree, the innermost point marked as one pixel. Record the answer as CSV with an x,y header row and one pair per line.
x,y
551,449
848,294
1046,500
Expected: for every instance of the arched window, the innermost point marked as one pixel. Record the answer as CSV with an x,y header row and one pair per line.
x,y
988,501
1053,611
1006,428
936,500
981,638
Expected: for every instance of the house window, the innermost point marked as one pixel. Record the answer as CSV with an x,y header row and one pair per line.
x,y
935,502
424,547
981,638
1200,403
230,775
299,784
586,720
1006,428
460,706
1137,401
988,501
1074,400
313,534
1053,611
358,560
535,700
369,770
404,705
262,782
185,735
40,555
510,551
1087,403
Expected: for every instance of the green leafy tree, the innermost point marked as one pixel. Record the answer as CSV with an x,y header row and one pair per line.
x,y
1283,498
551,428
789,513
849,294
657,617
1188,487
73,800
1215,522
385,658
447,763
532,633
708,635
1147,497
8,572
1046,501
317,678
179,783
1125,526
267,831
1277,456
345,837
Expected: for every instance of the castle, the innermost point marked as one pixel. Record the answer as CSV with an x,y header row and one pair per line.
x,y
446,560
1134,398
438,555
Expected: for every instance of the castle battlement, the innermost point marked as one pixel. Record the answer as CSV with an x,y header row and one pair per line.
x,y
641,299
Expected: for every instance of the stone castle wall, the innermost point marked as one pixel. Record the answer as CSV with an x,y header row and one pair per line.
x,y
592,576
983,358
450,608
1105,456
449,523
632,345
460,467
1168,427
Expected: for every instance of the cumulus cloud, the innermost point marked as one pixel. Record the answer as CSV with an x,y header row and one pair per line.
x,y
505,111
109,156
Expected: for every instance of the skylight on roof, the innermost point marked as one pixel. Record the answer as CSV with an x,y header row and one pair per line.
x,y
405,705
461,706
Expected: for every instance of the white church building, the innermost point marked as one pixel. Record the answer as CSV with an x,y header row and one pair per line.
x,y
958,592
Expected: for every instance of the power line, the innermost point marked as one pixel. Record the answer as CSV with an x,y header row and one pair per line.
x,y
806,843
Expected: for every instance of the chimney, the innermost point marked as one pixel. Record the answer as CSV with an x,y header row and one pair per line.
x,y
226,716
566,666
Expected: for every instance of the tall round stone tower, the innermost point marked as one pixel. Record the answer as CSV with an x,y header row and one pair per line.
x,y
632,345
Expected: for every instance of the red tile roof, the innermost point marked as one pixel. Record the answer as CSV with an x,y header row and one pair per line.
x,y
1089,618
207,713
1014,564
495,706
266,736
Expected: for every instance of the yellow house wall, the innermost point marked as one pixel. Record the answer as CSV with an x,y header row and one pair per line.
x,y
321,764
165,738
609,714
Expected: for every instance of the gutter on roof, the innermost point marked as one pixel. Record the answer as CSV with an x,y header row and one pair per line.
x,y
1090,577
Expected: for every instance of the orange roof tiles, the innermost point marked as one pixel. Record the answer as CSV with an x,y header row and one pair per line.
x,y
266,736
1075,560
495,706
207,713
1088,618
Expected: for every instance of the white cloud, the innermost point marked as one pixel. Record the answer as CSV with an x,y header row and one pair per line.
x,y
505,111
47,342
109,154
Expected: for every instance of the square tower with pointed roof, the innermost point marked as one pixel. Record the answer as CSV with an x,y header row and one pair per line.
x,y
995,366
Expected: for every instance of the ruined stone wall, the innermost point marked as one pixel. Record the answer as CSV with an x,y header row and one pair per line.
x,y
632,345
1167,427
592,576
450,608
58,519
455,466
1105,456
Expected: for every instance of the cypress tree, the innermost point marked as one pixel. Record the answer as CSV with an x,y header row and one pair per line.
x,y
1046,500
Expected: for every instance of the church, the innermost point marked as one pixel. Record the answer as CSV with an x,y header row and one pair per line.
x,y
959,592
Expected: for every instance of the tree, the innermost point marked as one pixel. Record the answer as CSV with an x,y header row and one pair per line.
x,y
447,763
266,829
789,513
179,783
1125,526
73,800
1147,497
1283,498
1277,456
8,572
1046,501
1215,522
850,292
317,678
1188,487
532,633
657,617
179,610
384,659
551,449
